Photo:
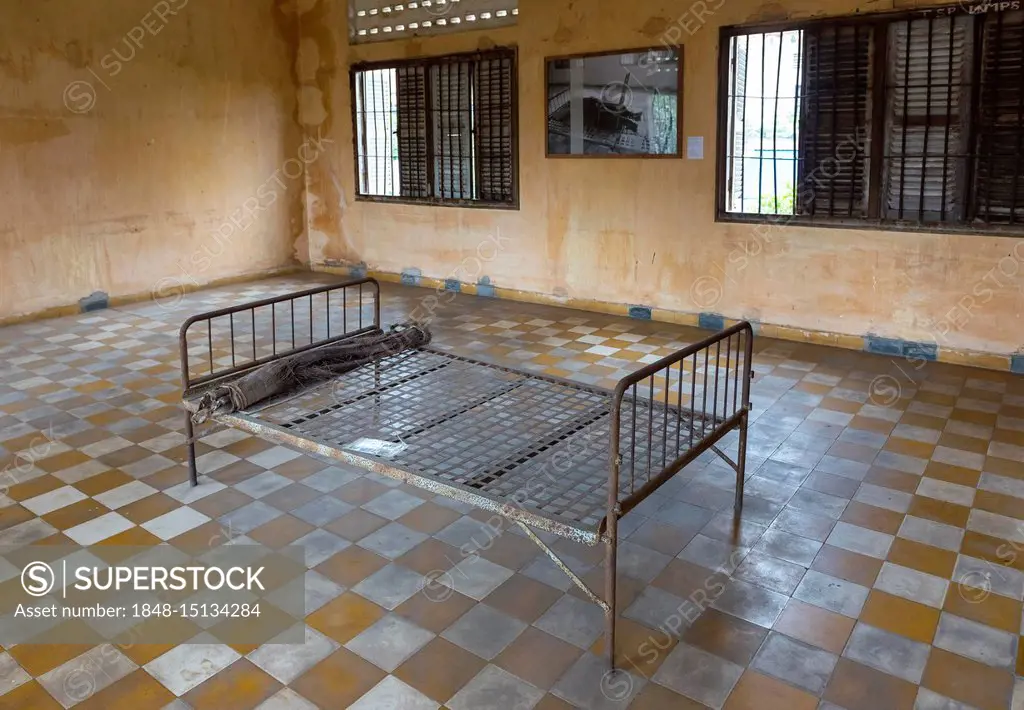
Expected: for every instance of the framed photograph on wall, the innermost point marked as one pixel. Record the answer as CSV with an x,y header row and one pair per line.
x,y
615,104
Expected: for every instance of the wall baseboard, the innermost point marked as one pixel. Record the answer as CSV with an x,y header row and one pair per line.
x,y
903,349
99,300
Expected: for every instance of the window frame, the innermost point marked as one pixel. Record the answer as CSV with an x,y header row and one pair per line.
x,y
878,22
426,62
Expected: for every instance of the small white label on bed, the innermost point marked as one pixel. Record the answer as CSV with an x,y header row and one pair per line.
x,y
376,447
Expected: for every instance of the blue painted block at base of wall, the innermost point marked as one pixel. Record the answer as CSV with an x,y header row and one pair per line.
x,y
452,285
920,351
358,271
96,302
485,290
411,277
711,321
1017,363
883,346
640,312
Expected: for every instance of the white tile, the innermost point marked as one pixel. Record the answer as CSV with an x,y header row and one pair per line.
x,y
97,529
393,694
996,525
1001,484
861,540
184,667
175,523
881,497
11,674
186,493
946,491
54,500
929,532
123,495
913,585
274,456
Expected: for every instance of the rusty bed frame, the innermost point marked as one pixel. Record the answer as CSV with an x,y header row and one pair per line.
x,y
497,438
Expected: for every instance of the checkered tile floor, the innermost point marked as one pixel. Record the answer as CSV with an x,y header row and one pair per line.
x,y
878,564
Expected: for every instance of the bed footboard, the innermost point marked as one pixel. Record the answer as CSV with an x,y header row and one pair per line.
x,y
663,417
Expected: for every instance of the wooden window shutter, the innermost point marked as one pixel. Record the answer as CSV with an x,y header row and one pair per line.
x,y
452,129
927,117
998,187
495,147
834,121
411,92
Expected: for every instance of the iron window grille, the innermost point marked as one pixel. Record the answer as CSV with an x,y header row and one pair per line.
x,y
900,120
440,131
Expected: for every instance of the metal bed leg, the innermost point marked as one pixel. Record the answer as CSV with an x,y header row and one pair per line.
x,y
609,588
193,474
741,463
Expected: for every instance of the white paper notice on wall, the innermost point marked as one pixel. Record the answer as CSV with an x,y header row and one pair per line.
x,y
695,147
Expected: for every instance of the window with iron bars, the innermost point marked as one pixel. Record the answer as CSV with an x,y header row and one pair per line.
x,y
911,120
440,130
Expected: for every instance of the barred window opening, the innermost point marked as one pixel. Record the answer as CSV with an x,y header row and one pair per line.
x,y
903,120
440,130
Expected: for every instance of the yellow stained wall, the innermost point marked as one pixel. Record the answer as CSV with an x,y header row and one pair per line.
x,y
119,171
643,231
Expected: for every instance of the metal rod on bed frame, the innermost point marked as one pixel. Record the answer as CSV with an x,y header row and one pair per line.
x,y
190,383
708,436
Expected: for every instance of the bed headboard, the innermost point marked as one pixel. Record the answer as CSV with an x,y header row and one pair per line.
x,y
230,341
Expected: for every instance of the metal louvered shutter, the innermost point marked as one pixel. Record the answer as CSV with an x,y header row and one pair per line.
x,y
927,117
998,187
495,121
834,121
411,92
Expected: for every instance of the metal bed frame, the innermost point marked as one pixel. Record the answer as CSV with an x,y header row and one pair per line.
x,y
544,453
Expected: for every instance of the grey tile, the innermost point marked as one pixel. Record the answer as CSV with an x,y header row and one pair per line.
x,y
698,675
284,699
887,652
589,684
11,674
976,641
496,689
543,569
821,504
831,593
392,541
881,497
802,523
770,572
789,547
657,609
794,662
390,586
683,515
930,700
249,517
638,562
912,584
573,620
393,694
86,675
484,631
319,545
735,531
389,642
263,484
476,577
713,554
393,504
330,479
465,531
286,662
322,510
861,540
752,603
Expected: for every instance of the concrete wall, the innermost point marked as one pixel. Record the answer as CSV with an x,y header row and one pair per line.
x,y
132,132
643,231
